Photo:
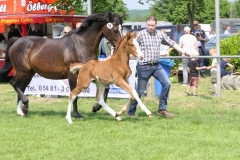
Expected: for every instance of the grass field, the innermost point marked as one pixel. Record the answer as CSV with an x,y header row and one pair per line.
x,y
204,127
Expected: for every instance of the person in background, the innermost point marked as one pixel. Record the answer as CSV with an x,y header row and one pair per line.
x,y
223,65
212,34
227,31
201,39
14,32
37,31
105,48
193,68
189,44
150,41
178,33
2,39
66,30
78,25
213,68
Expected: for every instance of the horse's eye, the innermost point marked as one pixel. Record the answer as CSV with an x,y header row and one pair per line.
x,y
131,45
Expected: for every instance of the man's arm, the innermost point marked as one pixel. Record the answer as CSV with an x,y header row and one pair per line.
x,y
173,44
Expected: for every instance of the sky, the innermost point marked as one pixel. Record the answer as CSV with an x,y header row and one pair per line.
x,y
133,4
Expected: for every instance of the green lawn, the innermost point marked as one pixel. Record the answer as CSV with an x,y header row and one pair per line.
x,y
204,127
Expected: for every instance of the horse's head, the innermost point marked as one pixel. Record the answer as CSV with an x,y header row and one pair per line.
x,y
133,46
112,31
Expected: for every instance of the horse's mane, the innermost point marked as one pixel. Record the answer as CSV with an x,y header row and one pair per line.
x,y
90,19
99,18
119,42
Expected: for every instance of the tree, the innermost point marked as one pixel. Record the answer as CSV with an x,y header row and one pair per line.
x,y
99,6
186,11
190,6
236,9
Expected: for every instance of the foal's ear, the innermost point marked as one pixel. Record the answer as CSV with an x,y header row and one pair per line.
x,y
128,35
134,33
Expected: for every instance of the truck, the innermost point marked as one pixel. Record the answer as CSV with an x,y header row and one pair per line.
x,y
234,24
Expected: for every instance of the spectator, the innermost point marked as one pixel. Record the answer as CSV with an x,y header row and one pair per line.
x,y
201,39
37,31
223,65
14,32
149,41
212,34
178,33
105,48
227,31
78,25
2,38
193,68
66,30
213,68
189,44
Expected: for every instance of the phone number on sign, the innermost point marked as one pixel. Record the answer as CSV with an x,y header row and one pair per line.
x,y
52,88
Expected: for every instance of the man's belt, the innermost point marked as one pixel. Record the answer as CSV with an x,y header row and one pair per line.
x,y
150,64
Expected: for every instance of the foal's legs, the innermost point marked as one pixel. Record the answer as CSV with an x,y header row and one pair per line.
x,y
124,85
100,99
97,106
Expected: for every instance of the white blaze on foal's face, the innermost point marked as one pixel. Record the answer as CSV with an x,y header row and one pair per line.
x,y
140,54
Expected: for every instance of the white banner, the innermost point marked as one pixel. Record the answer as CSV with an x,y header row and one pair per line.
x,y
40,85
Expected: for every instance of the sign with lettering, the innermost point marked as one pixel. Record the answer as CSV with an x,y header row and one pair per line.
x,y
30,6
40,85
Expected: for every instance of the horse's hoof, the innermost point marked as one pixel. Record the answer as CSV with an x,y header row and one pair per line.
x,y
69,121
77,115
150,116
20,112
119,119
24,110
96,107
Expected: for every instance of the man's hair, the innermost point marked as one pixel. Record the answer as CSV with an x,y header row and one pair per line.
x,y
152,18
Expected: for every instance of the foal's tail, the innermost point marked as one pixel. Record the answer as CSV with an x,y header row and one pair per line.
x,y
7,63
74,67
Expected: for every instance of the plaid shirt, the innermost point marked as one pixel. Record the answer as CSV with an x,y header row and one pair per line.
x,y
150,45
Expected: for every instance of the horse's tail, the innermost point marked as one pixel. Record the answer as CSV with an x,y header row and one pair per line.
x,y
74,67
7,63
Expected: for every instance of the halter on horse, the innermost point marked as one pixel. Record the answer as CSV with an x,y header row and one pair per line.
x,y
50,58
113,70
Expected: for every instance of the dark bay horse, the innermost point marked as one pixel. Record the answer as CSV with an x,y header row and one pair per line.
x,y
50,58
113,70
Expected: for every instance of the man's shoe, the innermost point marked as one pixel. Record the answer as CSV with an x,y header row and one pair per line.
x,y
165,113
204,76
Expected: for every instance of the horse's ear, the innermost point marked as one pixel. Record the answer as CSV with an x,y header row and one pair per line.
x,y
135,33
121,15
128,35
110,16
